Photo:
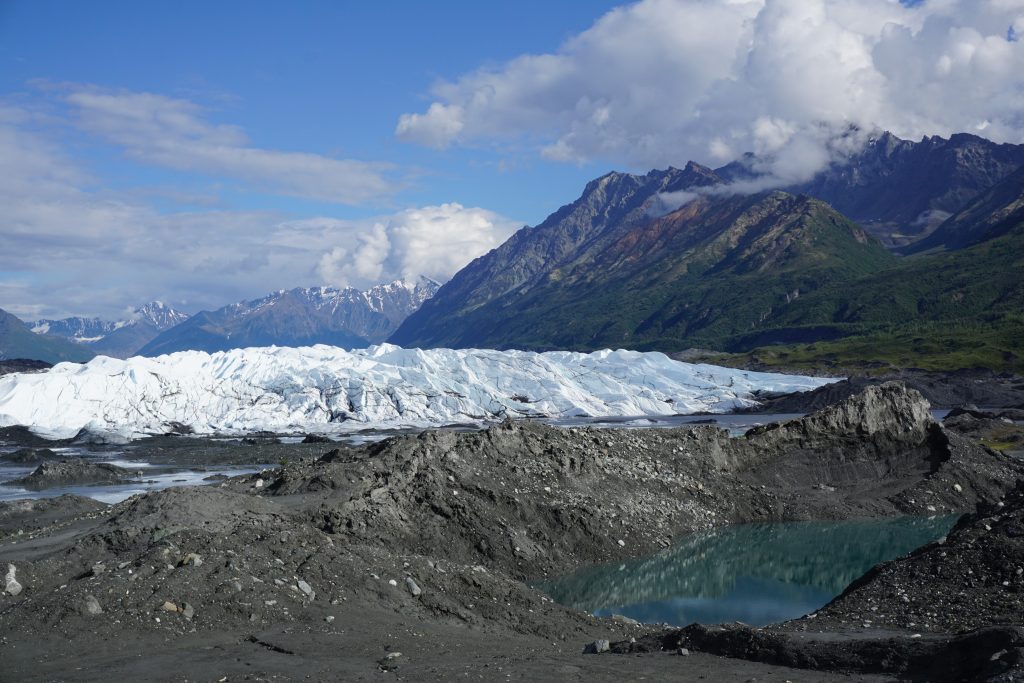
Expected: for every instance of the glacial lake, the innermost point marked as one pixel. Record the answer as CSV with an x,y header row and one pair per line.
x,y
758,574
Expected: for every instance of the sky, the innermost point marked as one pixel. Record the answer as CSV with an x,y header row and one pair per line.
x,y
203,153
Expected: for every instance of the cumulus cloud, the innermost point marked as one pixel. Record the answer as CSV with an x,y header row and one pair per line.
x,y
663,81
435,241
177,134
71,249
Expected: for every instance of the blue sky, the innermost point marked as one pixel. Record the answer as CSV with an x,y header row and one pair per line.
x,y
207,152
330,78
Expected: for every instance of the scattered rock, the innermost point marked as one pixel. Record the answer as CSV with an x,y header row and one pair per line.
x,y
389,662
169,606
191,559
306,589
412,586
92,605
11,585
597,647
188,611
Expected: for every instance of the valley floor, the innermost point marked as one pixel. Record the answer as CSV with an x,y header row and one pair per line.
x,y
425,545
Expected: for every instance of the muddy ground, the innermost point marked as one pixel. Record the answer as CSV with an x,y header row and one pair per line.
x,y
328,566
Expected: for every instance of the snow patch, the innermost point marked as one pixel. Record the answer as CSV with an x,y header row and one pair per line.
x,y
324,388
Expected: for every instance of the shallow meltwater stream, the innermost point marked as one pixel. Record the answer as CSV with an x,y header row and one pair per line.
x,y
755,573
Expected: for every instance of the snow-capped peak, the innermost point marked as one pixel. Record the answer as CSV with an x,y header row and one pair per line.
x,y
91,330
158,314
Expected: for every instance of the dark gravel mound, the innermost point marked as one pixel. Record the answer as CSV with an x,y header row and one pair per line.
x,y
530,500
30,456
972,578
326,567
23,437
77,472
986,654
23,365
35,514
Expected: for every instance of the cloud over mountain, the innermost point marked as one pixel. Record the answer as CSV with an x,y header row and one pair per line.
x,y
662,81
435,241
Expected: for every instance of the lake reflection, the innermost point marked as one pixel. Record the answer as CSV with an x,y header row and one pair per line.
x,y
755,573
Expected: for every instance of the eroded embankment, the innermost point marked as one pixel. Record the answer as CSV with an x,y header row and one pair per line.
x,y
440,529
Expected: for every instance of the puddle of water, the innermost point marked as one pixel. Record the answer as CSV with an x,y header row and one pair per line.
x,y
115,493
755,573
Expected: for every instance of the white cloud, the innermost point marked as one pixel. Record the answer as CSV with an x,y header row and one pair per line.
x,y
663,81
175,133
72,250
435,241
437,128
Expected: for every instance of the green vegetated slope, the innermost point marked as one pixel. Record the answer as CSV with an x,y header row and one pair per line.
x,y
700,275
18,341
935,310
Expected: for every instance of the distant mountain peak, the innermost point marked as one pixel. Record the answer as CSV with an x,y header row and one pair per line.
x,y
302,316
158,314
114,337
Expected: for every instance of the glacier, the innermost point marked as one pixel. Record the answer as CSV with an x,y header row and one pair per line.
x,y
332,390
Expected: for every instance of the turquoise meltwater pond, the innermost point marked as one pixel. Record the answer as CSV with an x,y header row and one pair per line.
x,y
755,573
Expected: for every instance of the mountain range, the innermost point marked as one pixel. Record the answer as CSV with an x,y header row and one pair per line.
x,y
119,339
901,190
18,341
903,252
299,317
734,273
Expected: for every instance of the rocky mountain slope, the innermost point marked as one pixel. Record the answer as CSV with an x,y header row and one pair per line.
x,y
736,273
17,340
900,190
299,317
998,210
604,272
945,308
120,338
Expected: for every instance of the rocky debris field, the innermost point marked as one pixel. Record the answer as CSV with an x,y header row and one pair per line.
x,y
998,429
971,579
328,567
